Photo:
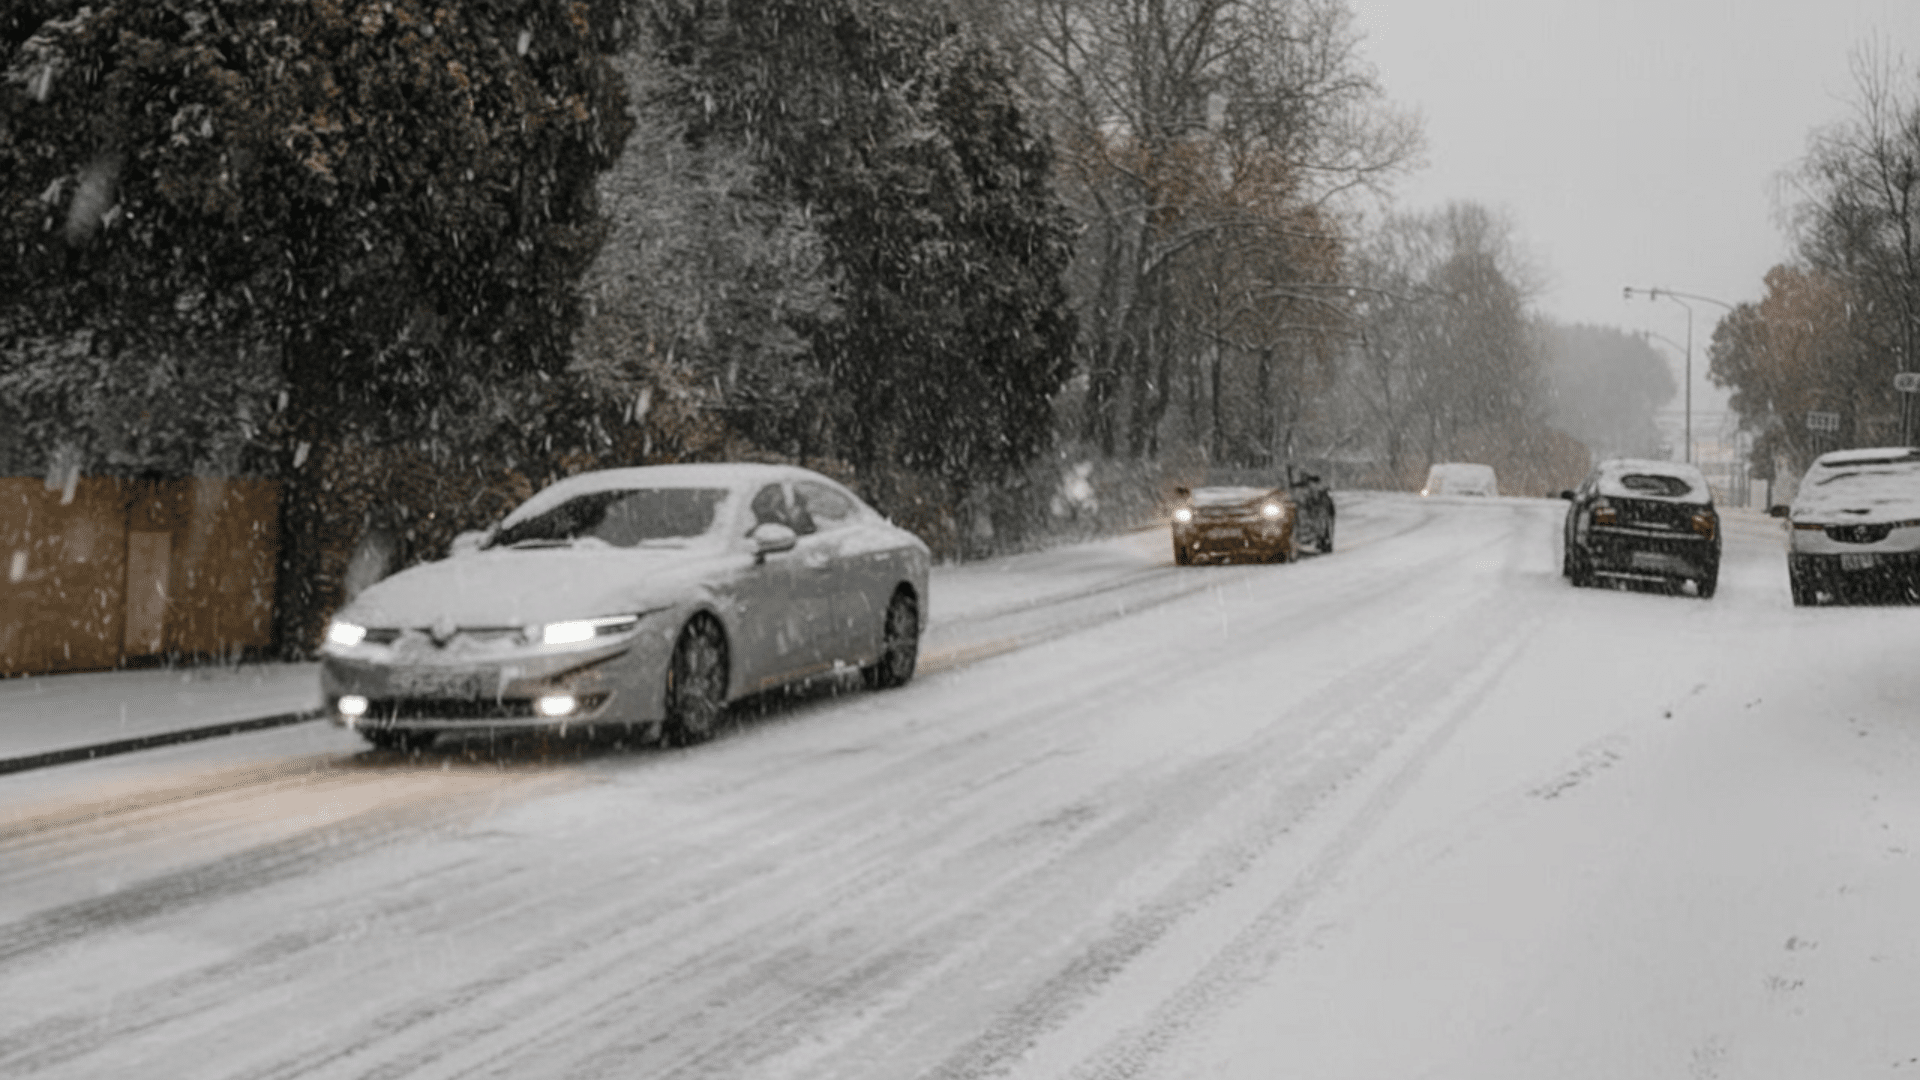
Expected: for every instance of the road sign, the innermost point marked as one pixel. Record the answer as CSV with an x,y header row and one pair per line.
x,y
1823,421
1907,382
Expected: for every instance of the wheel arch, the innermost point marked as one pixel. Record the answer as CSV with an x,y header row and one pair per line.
x,y
706,608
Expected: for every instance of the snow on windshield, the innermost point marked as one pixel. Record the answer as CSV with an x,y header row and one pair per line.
x,y
1862,492
1226,496
622,517
1636,479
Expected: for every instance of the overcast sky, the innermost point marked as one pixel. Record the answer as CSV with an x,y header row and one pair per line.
x,y
1631,142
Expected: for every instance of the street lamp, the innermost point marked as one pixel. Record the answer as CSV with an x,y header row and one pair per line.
x,y
1651,336
1680,298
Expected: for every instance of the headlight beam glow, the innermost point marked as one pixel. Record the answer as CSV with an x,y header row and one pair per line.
x,y
556,705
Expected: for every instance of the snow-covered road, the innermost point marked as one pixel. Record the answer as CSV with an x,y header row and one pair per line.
x,y
1415,809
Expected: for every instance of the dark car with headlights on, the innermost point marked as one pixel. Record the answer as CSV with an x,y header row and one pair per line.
x,y
1853,532
1241,521
640,600
1641,520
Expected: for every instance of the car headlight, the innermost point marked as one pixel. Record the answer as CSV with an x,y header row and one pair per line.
x,y
1272,510
577,630
1183,515
345,634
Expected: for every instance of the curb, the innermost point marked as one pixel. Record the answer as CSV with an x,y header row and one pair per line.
x,y
148,742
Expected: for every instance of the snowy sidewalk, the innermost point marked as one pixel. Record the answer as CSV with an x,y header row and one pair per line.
x,y
47,719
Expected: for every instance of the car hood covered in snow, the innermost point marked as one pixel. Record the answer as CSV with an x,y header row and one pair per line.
x,y
1232,496
519,587
1867,492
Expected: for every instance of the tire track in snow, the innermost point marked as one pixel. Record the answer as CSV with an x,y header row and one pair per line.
x,y
1382,770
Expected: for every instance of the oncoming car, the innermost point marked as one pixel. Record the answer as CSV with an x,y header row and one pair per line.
x,y
1853,532
1268,523
1461,478
1639,520
643,599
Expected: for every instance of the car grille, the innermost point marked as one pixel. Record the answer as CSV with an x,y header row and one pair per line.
x,y
1858,534
465,708
477,635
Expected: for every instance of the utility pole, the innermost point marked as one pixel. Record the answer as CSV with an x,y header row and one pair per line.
x,y
1658,293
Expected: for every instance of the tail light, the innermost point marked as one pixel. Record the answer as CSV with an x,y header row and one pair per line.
x,y
1604,513
1703,523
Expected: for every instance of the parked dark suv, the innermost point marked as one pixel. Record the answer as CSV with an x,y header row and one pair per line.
x,y
1639,520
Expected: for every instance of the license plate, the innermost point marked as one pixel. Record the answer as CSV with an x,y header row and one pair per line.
x,y
1222,534
439,684
1856,561
1648,560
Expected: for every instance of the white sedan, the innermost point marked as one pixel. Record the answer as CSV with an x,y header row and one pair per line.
x,y
644,598
1854,529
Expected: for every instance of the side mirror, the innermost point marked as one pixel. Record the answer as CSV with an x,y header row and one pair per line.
x,y
1566,494
772,537
1182,492
1778,510
469,542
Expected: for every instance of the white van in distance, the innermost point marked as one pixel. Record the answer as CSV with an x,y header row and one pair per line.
x,y
1460,478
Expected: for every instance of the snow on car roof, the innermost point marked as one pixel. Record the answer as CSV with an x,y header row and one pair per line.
x,y
1879,454
731,475
1861,486
1461,469
1614,471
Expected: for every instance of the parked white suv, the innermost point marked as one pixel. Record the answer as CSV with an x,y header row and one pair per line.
x,y
1853,532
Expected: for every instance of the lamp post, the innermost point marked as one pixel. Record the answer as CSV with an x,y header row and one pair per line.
x,y
1680,298
1650,336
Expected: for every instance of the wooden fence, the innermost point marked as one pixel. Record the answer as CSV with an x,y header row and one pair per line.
x,y
104,571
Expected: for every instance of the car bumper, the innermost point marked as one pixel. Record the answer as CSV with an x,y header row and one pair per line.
x,y
621,682
1647,553
1209,538
1887,576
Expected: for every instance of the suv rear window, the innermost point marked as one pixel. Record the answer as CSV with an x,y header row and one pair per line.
x,y
1671,487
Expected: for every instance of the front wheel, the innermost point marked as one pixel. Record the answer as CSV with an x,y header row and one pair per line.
x,y
1800,579
1289,549
696,683
1182,555
1326,537
899,645
1578,570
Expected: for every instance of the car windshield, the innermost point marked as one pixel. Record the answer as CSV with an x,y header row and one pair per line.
x,y
1648,484
1874,474
622,518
